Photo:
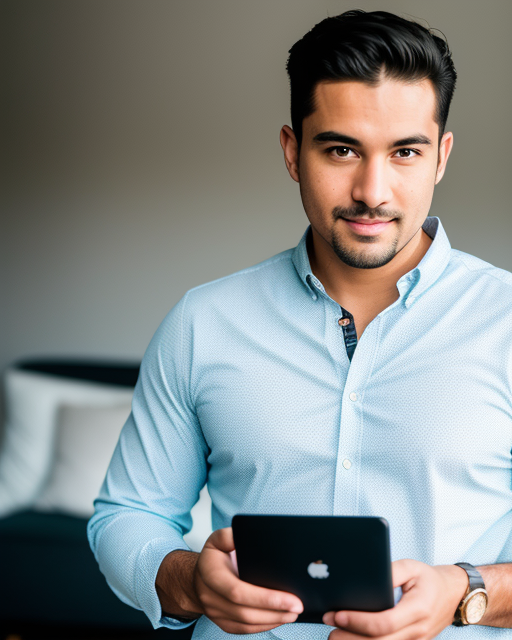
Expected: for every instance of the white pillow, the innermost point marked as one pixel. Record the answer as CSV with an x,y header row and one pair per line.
x,y
85,441
32,401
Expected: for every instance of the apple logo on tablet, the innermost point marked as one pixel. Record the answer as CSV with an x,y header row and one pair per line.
x,y
318,569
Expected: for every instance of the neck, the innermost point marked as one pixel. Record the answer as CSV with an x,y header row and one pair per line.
x,y
351,287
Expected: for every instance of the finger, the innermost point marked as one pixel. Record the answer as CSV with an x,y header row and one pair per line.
x,y
242,593
251,620
409,611
328,619
404,570
250,615
412,632
215,605
218,575
229,626
221,539
218,578
341,634
363,622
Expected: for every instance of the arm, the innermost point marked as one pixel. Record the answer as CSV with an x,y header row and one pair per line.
x,y
430,598
175,585
143,511
192,584
498,583
155,475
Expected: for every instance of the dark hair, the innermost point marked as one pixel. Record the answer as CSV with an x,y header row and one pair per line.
x,y
360,45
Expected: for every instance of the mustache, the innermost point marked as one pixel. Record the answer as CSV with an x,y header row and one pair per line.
x,y
359,210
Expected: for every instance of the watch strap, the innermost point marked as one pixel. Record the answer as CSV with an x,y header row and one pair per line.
x,y
475,582
475,579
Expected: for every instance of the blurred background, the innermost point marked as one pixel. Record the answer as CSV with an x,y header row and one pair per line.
x,y
141,157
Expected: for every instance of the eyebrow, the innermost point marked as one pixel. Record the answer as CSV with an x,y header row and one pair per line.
x,y
334,136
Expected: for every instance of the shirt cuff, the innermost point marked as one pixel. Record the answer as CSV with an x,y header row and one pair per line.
x,y
150,559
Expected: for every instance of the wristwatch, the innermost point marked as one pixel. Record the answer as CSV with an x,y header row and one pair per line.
x,y
474,603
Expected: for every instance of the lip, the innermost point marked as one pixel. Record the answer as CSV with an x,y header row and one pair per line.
x,y
367,227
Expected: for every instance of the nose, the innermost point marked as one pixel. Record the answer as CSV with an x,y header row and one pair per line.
x,y
372,183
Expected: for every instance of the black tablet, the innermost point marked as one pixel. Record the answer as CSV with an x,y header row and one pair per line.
x,y
330,562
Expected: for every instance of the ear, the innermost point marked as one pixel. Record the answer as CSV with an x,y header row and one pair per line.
x,y
291,151
445,148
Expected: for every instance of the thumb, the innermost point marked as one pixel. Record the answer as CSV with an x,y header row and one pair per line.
x,y
404,570
221,539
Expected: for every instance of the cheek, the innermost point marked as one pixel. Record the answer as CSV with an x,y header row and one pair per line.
x,y
413,195
323,186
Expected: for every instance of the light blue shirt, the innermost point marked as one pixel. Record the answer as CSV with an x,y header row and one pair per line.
x,y
247,385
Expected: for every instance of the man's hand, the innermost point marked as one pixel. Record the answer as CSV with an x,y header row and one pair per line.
x,y
430,598
208,583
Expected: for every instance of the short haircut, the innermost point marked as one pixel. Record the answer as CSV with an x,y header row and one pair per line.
x,y
360,45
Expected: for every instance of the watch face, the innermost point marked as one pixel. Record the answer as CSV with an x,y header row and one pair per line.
x,y
475,607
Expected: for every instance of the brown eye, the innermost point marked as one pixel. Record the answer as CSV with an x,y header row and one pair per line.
x,y
406,153
342,152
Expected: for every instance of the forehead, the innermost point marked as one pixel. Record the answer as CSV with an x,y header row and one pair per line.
x,y
390,109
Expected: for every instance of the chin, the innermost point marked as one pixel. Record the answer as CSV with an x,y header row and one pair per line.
x,y
364,259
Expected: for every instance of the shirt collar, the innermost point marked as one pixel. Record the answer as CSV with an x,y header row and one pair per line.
x,y
411,285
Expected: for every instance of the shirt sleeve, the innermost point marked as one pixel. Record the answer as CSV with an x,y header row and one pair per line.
x,y
156,473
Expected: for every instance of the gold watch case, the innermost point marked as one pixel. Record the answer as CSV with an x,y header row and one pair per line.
x,y
473,607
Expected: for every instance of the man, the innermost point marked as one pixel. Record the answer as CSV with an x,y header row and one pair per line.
x,y
366,372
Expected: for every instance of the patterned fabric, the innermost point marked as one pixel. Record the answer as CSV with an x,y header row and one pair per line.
x,y
247,385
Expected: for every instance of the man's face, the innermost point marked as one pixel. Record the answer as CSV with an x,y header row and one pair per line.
x,y
367,167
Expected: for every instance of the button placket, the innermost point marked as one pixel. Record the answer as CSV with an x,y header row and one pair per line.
x,y
346,491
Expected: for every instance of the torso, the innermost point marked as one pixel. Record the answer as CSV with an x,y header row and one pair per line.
x,y
363,313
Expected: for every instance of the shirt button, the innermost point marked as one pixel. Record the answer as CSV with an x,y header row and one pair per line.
x,y
346,463
343,322
353,396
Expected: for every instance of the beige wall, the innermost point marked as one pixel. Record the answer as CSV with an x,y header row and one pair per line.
x,y
143,155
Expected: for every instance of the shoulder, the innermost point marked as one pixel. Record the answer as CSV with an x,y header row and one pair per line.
x,y
234,294
481,271
208,313
242,286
